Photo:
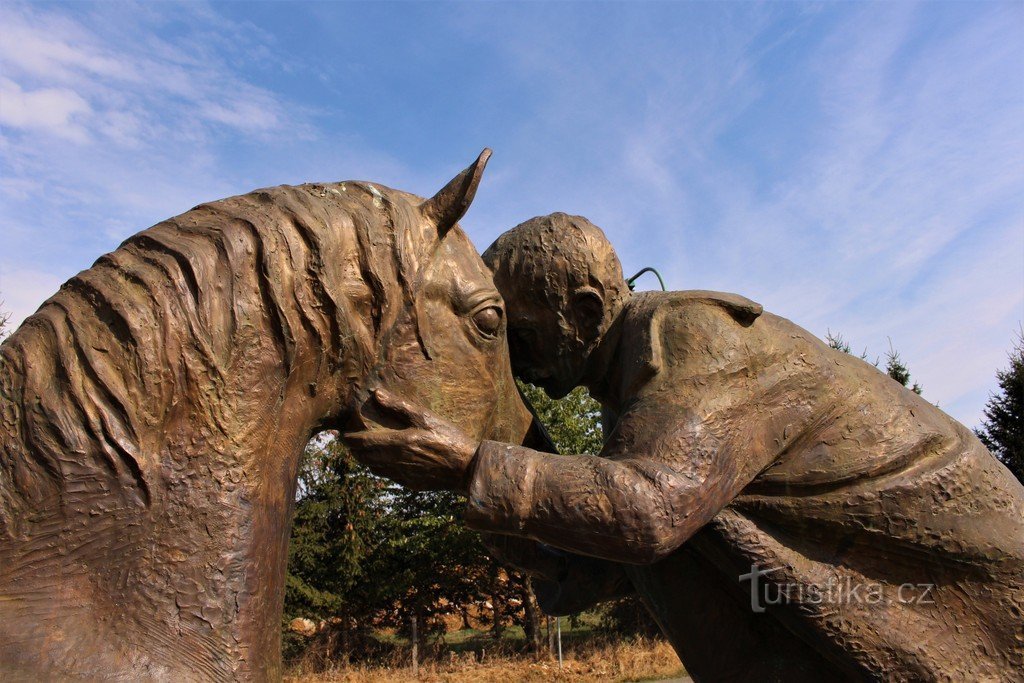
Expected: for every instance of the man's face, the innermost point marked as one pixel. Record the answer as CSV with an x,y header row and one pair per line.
x,y
543,341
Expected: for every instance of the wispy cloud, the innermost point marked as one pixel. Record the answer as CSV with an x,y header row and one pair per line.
x,y
112,117
124,80
53,110
908,222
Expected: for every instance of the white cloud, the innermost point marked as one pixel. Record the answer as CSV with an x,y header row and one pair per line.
x,y
53,48
918,192
257,114
139,88
48,109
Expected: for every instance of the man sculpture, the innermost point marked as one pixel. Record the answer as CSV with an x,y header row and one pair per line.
x,y
784,510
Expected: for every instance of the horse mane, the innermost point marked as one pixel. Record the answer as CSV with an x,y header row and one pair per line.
x,y
91,383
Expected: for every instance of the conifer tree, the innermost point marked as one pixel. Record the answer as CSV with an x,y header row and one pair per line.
x,y
897,369
1002,429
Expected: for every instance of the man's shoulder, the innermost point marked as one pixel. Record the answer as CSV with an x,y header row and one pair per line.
x,y
654,325
648,306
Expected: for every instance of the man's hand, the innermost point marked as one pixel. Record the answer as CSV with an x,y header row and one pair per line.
x,y
425,453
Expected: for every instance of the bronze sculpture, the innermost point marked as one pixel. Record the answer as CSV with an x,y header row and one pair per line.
x,y
155,409
742,455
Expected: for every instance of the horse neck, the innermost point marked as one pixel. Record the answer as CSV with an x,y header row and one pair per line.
x,y
197,565
231,513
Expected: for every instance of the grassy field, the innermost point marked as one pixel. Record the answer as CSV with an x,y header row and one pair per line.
x,y
471,656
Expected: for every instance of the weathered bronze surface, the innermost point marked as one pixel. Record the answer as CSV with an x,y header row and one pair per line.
x,y
154,412
742,455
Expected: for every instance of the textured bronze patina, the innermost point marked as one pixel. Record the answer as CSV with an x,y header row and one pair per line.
x,y
155,410
786,511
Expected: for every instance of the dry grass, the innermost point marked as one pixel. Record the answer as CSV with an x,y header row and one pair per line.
x,y
596,660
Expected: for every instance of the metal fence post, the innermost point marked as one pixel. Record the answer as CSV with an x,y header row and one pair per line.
x,y
558,626
415,650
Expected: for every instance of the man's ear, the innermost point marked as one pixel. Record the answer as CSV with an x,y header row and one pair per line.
x,y
588,311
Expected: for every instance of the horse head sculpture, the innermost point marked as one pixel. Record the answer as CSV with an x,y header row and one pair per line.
x,y
154,412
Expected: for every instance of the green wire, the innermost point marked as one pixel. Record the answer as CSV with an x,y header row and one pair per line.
x,y
631,280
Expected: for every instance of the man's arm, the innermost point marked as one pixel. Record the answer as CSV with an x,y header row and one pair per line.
x,y
636,509
696,436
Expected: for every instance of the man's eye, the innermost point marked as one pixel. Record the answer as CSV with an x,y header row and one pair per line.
x,y
488,320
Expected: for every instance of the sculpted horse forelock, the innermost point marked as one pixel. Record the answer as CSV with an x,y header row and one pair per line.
x,y
154,412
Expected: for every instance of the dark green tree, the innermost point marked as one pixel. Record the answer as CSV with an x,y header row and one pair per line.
x,y
434,564
367,554
1002,429
573,422
897,369
337,527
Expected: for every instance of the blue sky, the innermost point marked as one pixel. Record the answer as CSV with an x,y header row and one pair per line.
x,y
852,166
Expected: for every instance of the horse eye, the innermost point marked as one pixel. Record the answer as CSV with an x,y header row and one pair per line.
x,y
488,320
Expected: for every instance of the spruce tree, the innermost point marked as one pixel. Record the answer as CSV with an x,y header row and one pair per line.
x,y
897,369
836,341
367,555
1002,429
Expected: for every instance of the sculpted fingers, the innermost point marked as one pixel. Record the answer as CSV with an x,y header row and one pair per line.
x,y
384,437
364,440
398,460
411,414
422,458
379,451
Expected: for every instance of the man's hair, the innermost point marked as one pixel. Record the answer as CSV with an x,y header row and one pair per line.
x,y
553,256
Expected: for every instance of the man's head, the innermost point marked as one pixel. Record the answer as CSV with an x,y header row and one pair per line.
x,y
563,286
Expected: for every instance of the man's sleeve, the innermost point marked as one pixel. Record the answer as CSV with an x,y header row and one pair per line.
x,y
634,509
685,448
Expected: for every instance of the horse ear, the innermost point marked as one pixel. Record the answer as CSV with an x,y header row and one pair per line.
x,y
450,204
